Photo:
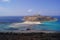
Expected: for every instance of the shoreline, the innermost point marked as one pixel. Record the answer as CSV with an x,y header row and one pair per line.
x,y
29,36
26,24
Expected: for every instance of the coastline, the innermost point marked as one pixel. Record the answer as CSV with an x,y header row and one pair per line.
x,y
26,24
29,22
29,36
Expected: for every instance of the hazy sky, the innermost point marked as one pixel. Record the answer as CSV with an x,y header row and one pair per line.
x,y
29,7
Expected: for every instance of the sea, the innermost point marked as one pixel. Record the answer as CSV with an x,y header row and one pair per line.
x,y
6,21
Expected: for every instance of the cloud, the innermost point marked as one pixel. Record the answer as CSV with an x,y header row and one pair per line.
x,y
18,12
29,10
5,0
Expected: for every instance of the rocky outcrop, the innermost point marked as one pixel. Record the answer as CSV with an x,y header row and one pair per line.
x,y
29,36
38,18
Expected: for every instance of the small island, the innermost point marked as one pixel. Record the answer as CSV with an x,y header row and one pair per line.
x,y
39,18
34,19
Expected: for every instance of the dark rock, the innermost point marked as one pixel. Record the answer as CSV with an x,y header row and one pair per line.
x,y
29,36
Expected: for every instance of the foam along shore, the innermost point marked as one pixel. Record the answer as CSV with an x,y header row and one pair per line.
x,y
24,24
30,22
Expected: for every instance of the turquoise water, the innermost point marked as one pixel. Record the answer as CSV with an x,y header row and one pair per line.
x,y
51,26
48,26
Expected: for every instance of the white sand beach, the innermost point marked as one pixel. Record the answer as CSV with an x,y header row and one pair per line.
x,y
24,24
29,22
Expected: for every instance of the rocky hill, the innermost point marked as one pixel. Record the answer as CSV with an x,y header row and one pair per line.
x,y
38,18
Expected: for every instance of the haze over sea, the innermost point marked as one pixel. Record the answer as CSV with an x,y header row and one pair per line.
x,y
7,20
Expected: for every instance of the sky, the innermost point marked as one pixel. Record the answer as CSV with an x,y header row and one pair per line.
x,y
29,7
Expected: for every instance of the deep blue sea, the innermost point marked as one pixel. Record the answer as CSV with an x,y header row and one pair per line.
x,y
8,20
